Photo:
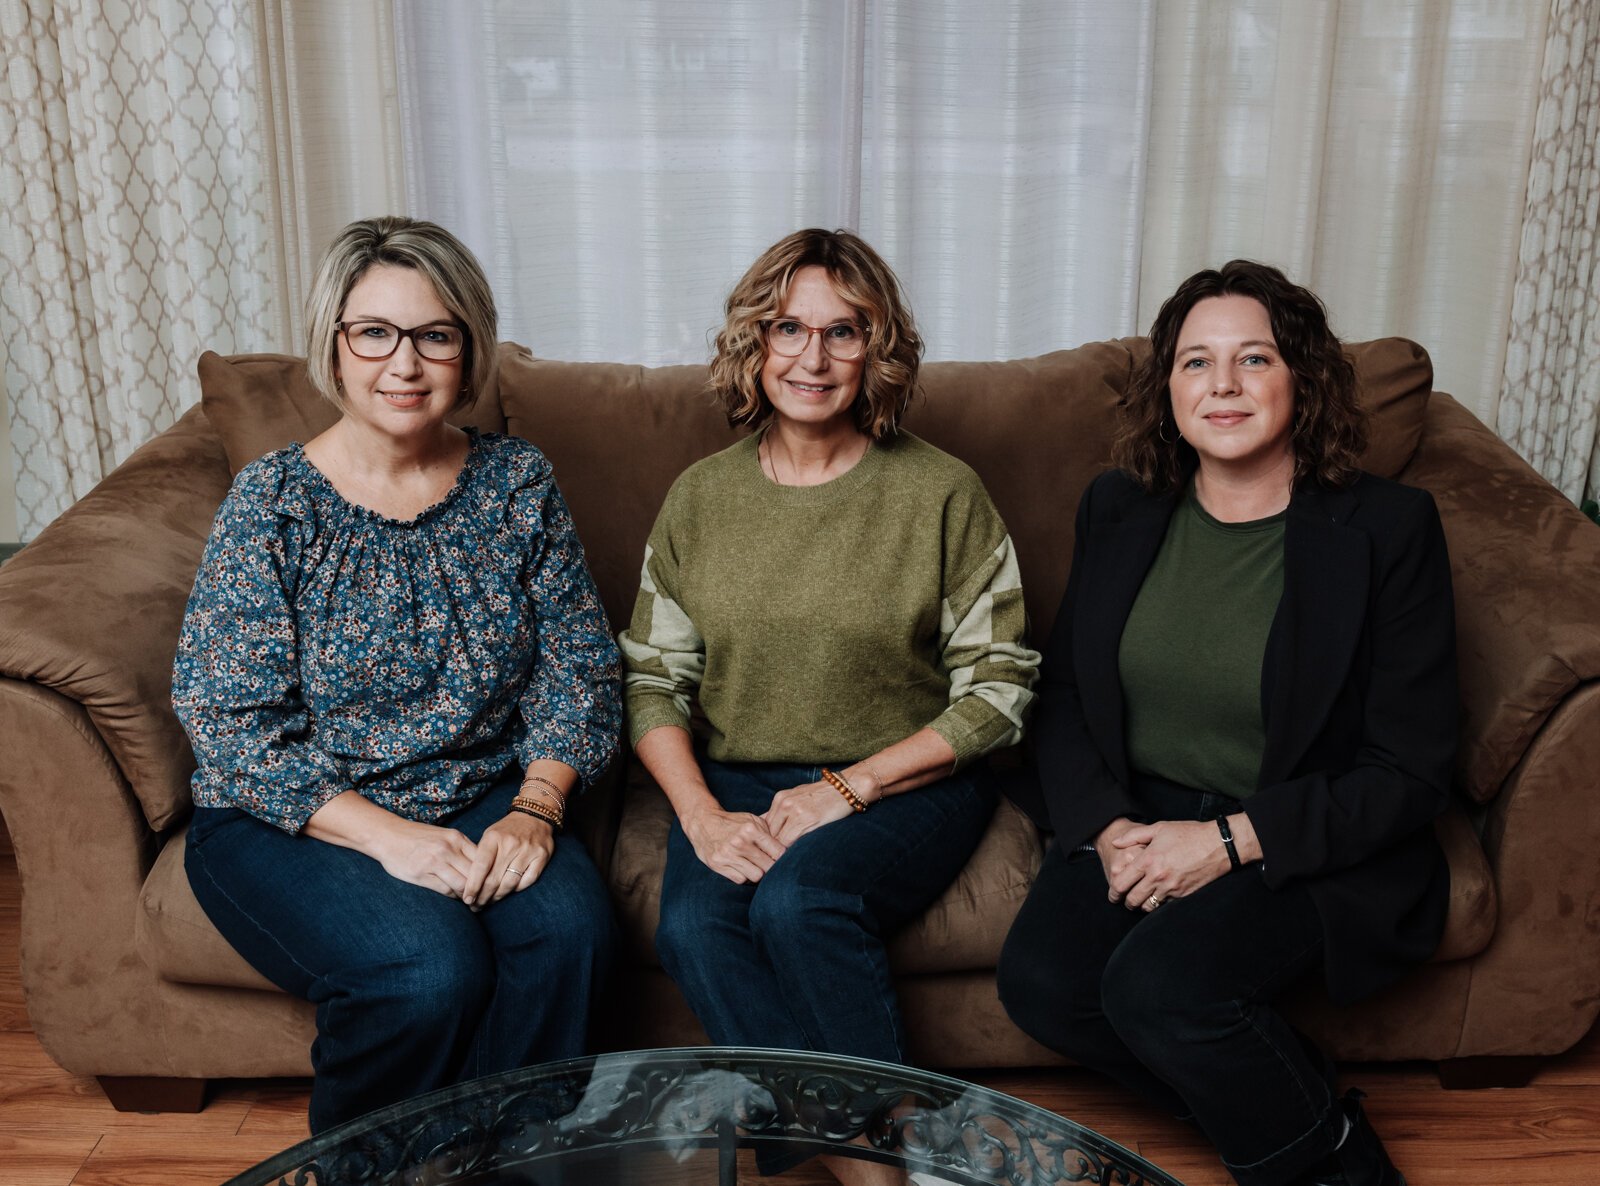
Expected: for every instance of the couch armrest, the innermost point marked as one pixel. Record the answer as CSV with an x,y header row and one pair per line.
x,y
92,608
1526,567
83,849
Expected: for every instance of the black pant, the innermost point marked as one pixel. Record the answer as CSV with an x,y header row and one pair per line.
x,y
1177,1003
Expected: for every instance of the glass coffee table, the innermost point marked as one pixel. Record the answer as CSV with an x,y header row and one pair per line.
x,y
680,1116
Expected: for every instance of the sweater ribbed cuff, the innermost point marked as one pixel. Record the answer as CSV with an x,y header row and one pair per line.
x,y
972,727
649,712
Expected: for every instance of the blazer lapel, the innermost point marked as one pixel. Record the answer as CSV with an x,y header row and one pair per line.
x,y
1111,584
1326,576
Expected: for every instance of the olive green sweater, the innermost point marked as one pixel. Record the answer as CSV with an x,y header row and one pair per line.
x,y
1191,653
820,624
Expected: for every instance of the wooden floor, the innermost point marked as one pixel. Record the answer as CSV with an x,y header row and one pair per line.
x,y
58,1130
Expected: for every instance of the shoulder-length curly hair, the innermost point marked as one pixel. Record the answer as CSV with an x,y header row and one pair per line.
x,y
865,283
1329,425
393,241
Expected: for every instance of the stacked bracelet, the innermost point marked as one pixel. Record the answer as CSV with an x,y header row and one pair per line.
x,y
839,783
539,809
543,785
1227,841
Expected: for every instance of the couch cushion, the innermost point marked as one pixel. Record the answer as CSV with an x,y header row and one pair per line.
x,y
962,931
261,402
1526,568
665,419
91,609
1394,378
1036,430
617,436
175,937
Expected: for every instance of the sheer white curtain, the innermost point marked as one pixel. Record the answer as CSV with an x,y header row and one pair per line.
x,y
328,86
1040,173
619,163
1377,151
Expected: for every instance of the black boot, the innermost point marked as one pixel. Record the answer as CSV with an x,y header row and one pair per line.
x,y
1360,1159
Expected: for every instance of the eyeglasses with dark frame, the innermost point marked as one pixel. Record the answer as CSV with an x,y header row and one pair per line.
x,y
843,340
437,341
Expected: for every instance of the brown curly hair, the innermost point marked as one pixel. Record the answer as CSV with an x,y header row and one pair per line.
x,y
865,283
1329,425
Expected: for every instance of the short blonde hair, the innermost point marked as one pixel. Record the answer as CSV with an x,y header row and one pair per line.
x,y
863,281
457,280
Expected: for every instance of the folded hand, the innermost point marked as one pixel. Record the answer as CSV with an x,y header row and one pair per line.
x,y
803,809
1172,859
736,844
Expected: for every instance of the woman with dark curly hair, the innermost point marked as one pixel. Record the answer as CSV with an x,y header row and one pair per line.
x,y
1247,724
845,602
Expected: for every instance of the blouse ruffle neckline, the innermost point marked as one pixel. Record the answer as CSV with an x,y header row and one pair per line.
x,y
311,483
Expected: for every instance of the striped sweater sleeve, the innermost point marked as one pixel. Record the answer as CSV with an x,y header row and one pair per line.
x,y
982,631
663,654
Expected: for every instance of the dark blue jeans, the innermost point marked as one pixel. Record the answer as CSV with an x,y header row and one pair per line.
x,y
413,990
797,959
1177,1004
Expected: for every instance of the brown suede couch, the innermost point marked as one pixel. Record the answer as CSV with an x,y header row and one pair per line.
x,y
126,980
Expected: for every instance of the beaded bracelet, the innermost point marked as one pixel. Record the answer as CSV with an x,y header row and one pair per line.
x,y
533,807
839,783
549,788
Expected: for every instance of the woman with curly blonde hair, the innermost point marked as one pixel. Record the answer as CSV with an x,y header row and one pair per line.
x,y
844,601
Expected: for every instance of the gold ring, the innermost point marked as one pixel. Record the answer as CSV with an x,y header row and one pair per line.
x,y
1152,901
513,869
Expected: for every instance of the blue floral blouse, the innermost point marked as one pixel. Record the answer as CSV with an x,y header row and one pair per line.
x,y
328,648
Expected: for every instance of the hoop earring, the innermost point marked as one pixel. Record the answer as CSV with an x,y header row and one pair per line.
x,y
1162,436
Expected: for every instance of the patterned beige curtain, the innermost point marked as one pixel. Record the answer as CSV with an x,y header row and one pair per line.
x,y
134,230
1550,402
172,171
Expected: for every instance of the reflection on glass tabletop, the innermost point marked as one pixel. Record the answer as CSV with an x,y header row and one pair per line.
x,y
680,1116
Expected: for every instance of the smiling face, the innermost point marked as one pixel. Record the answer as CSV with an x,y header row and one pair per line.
x,y
813,389
1232,393
405,394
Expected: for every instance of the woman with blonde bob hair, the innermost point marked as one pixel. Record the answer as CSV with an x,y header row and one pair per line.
x,y
844,601
1247,724
394,669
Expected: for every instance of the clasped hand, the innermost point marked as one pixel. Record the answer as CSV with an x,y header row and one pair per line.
x,y
1160,861
509,857
742,846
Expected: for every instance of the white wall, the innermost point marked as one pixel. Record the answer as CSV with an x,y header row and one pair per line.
x,y
8,479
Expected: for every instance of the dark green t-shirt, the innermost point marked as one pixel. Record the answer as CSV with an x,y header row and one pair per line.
x,y
1190,658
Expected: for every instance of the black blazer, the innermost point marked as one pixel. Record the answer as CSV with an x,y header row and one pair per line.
x,y
1358,695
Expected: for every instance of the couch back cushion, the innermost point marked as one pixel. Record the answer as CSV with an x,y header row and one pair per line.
x,y
617,436
1036,430
261,402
